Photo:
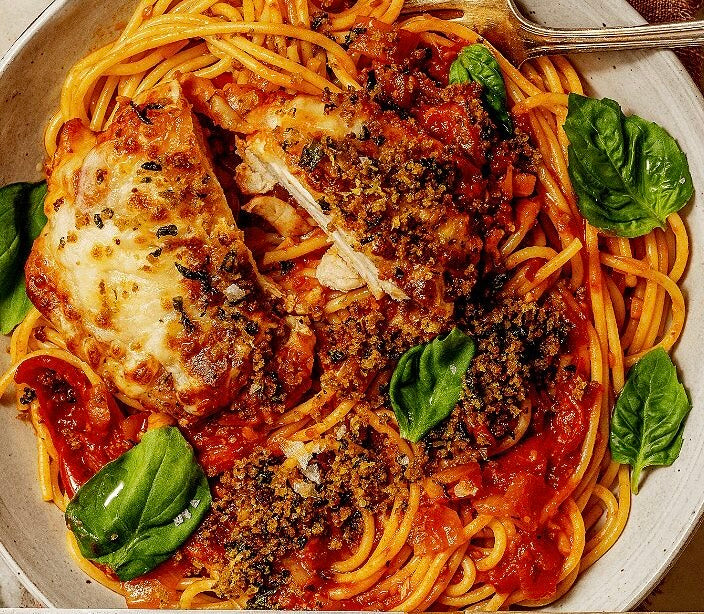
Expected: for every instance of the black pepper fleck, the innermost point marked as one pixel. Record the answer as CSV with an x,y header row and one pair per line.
x,y
28,395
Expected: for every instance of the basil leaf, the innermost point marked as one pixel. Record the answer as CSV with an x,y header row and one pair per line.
x,y
477,63
629,174
36,218
21,221
138,509
12,199
648,420
427,382
14,304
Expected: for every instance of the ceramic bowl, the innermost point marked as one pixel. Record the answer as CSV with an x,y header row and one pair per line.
x,y
654,85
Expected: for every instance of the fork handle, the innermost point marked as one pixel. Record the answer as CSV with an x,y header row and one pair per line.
x,y
542,40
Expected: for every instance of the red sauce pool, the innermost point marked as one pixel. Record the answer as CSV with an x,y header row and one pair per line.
x,y
86,426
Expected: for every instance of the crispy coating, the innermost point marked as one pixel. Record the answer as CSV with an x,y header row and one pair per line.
x,y
273,506
519,344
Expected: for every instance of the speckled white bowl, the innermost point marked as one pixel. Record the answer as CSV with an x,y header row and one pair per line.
x,y
653,85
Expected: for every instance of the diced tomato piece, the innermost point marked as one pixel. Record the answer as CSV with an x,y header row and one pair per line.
x,y
532,563
438,527
223,439
523,184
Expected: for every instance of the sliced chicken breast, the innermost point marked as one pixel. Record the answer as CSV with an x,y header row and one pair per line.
x,y
375,182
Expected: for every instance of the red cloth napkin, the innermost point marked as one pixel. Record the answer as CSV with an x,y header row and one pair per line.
x,y
661,11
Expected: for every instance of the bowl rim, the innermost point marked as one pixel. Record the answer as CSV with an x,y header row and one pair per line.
x,y
630,15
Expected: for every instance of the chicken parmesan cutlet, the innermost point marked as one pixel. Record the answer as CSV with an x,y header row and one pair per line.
x,y
143,270
410,181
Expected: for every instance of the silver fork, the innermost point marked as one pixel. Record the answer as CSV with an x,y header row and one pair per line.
x,y
503,24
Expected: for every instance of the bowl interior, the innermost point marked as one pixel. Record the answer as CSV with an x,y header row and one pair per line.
x,y
653,85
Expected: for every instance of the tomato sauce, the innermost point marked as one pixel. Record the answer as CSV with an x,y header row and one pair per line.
x,y
521,484
221,440
437,528
441,58
532,564
524,483
87,427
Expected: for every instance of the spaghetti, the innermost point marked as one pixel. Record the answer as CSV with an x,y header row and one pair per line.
x,y
622,294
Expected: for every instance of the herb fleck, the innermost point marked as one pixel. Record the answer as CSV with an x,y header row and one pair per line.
x,y
170,230
151,166
311,156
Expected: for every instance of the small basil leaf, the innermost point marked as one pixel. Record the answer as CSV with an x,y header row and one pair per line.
x,y
648,420
629,174
21,221
458,73
13,198
477,63
36,218
14,304
137,510
427,382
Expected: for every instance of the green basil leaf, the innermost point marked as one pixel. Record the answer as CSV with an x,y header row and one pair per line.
x,y
36,218
22,219
14,304
629,174
477,63
648,420
427,382
137,510
13,198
